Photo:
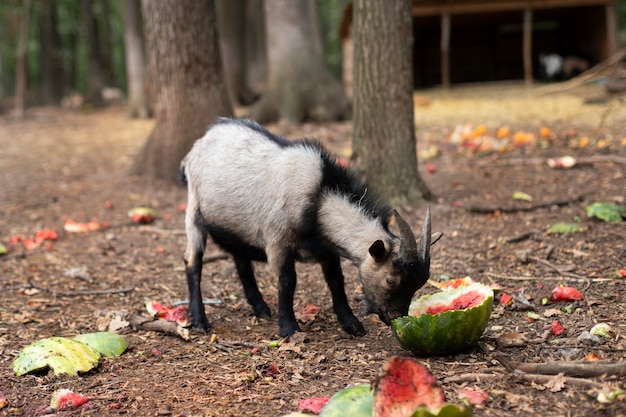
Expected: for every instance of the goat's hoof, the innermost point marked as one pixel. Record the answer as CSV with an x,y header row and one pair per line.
x,y
288,330
263,312
354,328
202,326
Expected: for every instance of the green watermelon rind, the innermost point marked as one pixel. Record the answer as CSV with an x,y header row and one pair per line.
x,y
357,401
446,410
354,401
444,333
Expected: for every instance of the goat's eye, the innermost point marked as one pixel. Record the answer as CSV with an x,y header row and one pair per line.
x,y
392,282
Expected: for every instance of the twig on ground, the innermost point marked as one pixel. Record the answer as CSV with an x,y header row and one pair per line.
x,y
78,293
157,325
536,378
154,229
15,287
487,210
522,278
582,160
215,256
584,369
520,238
558,269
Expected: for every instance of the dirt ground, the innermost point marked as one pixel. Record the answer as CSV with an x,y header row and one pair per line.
x,y
58,165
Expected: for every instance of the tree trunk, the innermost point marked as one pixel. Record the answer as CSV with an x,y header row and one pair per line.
x,y
51,55
95,77
135,59
256,52
232,31
20,67
384,144
300,87
185,71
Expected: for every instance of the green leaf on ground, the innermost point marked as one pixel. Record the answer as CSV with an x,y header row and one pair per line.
x,y
608,212
565,228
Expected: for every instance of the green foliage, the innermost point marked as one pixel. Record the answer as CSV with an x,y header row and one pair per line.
x,y
608,212
565,228
330,17
73,52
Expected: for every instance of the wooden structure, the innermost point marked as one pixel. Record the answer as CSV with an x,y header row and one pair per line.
x,y
463,41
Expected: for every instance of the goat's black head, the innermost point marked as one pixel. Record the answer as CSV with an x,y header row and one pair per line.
x,y
395,270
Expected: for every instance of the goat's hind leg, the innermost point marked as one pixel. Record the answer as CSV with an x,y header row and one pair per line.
x,y
196,241
250,288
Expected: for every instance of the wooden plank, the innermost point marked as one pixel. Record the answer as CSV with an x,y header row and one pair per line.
x,y
528,46
445,50
511,5
611,28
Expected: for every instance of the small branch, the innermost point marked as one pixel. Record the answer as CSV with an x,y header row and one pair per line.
x,y
588,160
154,229
558,269
157,325
587,369
536,378
487,210
78,293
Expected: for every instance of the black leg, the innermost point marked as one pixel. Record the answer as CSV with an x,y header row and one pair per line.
x,y
287,323
331,266
196,308
250,288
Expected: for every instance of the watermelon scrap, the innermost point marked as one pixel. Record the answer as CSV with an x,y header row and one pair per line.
x,y
405,386
178,314
562,293
313,405
65,399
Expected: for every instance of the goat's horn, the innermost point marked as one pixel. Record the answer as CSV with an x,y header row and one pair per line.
x,y
408,245
424,247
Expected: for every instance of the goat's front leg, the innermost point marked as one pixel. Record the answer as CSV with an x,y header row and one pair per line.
x,y
284,265
331,267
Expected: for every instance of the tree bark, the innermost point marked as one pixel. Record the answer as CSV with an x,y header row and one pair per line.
x,y
232,32
384,144
51,55
256,52
300,87
95,77
187,81
135,59
20,67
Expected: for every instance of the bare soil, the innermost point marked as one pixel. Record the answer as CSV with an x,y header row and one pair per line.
x,y
58,165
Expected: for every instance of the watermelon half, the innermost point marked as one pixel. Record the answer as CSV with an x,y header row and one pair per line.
x,y
446,322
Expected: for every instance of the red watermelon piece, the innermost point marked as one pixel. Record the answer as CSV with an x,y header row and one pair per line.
x,y
405,386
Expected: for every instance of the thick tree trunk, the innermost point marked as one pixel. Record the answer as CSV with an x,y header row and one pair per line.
x,y
256,52
135,59
384,145
300,87
95,78
51,55
186,78
232,32
20,67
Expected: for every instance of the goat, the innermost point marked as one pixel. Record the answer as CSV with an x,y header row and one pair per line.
x,y
264,198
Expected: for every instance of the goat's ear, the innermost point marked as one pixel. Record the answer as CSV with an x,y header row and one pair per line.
x,y
377,250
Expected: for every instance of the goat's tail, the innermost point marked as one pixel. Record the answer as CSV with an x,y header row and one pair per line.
x,y
182,176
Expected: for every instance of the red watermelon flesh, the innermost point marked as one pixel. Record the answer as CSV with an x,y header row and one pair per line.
x,y
463,301
405,386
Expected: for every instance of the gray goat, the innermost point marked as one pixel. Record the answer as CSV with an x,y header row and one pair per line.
x,y
264,198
